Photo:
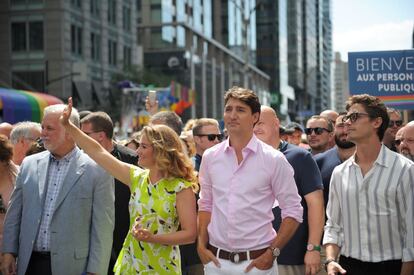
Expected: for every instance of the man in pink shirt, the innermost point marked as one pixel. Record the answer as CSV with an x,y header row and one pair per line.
x,y
240,180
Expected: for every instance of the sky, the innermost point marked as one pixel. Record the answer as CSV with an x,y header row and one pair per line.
x,y
372,25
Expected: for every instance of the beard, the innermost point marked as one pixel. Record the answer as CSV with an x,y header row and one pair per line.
x,y
343,144
407,154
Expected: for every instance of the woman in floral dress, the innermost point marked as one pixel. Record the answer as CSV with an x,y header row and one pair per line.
x,y
162,198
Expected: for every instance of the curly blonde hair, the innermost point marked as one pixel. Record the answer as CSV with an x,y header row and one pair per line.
x,y
169,154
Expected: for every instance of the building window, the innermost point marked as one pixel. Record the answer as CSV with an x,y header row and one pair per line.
x,y
19,37
95,47
112,12
127,57
112,53
95,8
155,13
36,36
27,36
76,40
126,18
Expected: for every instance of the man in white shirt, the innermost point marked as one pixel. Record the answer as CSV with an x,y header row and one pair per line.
x,y
370,208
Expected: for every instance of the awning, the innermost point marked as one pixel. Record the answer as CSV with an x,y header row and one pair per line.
x,y
19,105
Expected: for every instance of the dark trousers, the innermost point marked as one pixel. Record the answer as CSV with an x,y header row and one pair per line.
x,y
357,267
40,263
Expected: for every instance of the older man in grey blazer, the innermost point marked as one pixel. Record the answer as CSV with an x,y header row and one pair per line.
x,y
61,215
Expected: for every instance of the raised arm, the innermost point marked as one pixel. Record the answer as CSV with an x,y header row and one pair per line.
x,y
118,169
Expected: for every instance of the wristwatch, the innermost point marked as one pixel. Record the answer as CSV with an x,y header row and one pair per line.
x,y
275,251
312,247
327,262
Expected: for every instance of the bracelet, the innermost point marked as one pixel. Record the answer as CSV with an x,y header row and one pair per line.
x,y
327,262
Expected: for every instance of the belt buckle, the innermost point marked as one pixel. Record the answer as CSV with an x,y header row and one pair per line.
x,y
234,257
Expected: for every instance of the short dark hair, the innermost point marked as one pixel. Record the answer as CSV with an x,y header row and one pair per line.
x,y
100,121
169,119
246,96
374,107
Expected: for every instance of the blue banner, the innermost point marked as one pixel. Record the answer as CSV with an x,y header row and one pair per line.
x,y
388,75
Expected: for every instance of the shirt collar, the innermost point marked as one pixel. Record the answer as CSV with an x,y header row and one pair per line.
x,y
381,159
68,157
251,145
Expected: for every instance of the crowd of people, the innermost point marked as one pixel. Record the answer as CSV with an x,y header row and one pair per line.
x,y
335,196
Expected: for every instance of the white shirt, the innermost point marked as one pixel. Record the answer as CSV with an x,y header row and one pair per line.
x,y
371,218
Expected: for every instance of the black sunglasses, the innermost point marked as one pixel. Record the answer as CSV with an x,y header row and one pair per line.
x,y
397,123
212,137
398,142
317,130
353,117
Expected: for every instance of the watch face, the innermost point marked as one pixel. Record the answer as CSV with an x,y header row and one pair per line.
x,y
276,252
310,247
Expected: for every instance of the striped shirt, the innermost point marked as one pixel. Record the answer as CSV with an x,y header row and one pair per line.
x,y
56,174
371,218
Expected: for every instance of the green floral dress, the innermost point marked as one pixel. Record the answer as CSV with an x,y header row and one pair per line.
x,y
155,205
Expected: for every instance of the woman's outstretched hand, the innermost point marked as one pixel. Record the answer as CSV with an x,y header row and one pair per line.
x,y
64,118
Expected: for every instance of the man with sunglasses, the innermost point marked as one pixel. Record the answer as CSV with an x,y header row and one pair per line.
x,y
393,127
319,132
370,208
99,126
328,160
206,134
404,141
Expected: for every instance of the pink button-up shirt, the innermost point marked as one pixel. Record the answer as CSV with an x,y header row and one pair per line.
x,y
240,196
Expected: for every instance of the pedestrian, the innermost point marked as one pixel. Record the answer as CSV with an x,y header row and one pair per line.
x,y
240,180
60,218
162,204
370,209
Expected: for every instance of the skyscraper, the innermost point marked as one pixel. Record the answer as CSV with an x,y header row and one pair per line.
x,y
341,83
272,53
309,51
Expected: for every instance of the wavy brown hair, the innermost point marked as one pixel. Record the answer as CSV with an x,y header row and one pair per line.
x,y
168,153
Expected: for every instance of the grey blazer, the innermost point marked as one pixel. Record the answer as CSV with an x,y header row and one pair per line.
x,y
81,226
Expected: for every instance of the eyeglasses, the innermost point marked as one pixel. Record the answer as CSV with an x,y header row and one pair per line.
x,y
398,142
212,137
353,117
317,130
397,123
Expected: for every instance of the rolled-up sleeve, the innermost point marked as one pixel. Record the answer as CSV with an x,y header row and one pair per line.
x,y
333,227
286,192
205,201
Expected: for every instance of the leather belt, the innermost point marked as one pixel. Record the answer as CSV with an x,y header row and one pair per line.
x,y
236,257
